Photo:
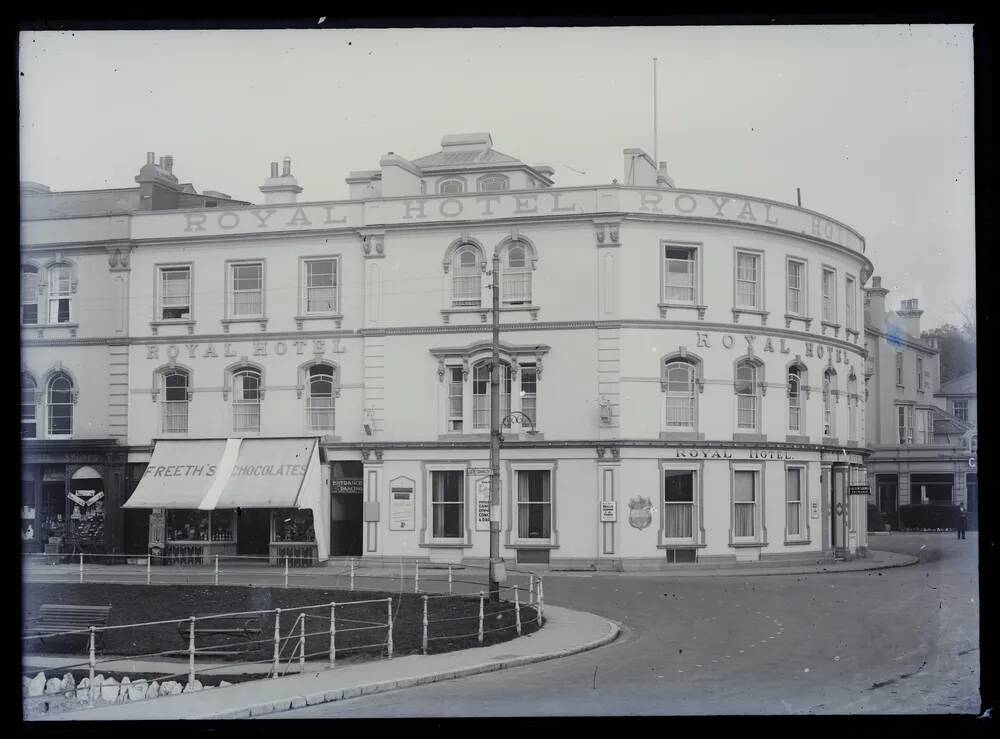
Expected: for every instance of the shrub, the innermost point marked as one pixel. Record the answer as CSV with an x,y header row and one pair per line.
x,y
928,516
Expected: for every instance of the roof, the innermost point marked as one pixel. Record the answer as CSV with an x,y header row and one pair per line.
x,y
79,203
962,385
482,157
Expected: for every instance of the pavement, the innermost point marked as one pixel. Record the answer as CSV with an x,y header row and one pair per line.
x,y
566,632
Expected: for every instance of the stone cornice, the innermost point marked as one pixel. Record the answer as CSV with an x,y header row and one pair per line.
x,y
698,326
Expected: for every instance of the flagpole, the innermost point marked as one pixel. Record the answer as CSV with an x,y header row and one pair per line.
x,y
656,150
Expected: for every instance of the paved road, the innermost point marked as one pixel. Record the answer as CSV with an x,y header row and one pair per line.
x,y
896,641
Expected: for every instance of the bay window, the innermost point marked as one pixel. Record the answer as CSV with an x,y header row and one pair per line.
x,y
481,394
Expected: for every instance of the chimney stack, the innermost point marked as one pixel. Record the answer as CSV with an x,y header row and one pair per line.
x,y
875,304
283,189
909,317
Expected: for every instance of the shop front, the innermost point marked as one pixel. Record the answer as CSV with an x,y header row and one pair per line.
x,y
69,499
234,497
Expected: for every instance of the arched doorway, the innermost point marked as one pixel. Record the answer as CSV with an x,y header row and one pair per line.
x,y
85,502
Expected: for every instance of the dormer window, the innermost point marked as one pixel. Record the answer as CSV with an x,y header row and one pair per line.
x,y
493,183
451,187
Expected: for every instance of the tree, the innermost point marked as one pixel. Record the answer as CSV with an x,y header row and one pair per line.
x,y
957,346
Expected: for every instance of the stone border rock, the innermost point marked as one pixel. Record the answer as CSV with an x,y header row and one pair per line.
x,y
301,701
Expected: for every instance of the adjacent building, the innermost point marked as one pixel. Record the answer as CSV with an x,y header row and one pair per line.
x,y
681,369
921,448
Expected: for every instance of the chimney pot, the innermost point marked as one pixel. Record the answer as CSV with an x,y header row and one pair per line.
x,y
876,282
168,163
150,157
274,169
287,167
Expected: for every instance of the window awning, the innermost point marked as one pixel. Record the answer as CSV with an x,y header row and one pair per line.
x,y
179,474
267,473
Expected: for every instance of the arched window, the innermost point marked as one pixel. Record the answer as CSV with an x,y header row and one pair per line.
x,y
795,399
246,399
467,285
515,288
29,410
59,409
481,394
176,383
493,183
319,403
679,379
747,396
451,187
60,293
29,294
829,417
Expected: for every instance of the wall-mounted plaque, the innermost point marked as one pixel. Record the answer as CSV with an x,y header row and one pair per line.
x,y
401,509
609,511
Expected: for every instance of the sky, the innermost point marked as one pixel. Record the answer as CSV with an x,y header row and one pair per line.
x,y
874,124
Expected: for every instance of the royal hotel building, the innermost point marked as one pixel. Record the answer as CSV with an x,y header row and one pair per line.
x,y
683,370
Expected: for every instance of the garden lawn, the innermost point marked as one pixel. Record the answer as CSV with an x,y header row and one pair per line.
x,y
453,620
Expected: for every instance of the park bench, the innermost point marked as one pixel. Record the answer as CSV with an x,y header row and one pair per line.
x,y
234,631
54,619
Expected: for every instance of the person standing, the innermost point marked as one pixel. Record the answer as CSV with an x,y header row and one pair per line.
x,y
962,520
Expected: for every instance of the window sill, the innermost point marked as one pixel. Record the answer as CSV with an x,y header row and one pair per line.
x,y
682,436
42,327
826,324
450,544
789,317
797,542
747,544
447,313
664,307
154,326
681,545
337,318
749,437
737,312
226,322
532,545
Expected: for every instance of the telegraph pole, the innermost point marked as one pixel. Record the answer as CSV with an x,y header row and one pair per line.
x,y
495,437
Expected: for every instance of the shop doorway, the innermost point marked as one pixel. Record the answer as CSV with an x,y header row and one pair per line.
x,y
253,531
346,508
137,531
887,496
346,525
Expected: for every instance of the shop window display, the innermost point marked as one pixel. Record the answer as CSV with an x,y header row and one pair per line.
x,y
190,525
293,526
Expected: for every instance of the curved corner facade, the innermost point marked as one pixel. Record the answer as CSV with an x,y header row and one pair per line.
x,y
683,371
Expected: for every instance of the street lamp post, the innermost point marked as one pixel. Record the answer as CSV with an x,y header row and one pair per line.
x,y
495,436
